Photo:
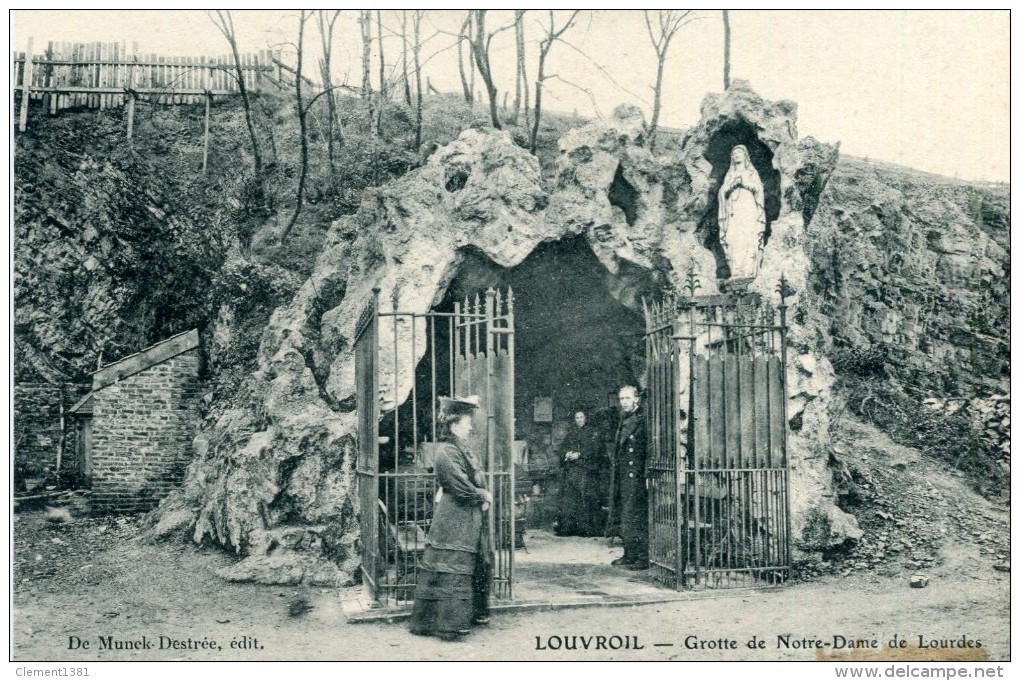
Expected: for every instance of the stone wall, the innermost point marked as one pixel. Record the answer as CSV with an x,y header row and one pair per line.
x,y
142,431
37,427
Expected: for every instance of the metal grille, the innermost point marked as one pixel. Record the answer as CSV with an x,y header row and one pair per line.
x,y
468,351
718,472
666,418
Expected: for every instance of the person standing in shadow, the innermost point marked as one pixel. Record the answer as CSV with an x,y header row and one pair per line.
x,y
580,500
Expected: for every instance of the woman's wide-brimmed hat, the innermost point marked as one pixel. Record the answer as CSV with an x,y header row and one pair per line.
x,y
452,407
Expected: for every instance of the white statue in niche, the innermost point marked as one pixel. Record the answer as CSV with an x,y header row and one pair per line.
x,y
742,216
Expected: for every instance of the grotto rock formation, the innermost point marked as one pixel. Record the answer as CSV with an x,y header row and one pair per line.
x,y
273,476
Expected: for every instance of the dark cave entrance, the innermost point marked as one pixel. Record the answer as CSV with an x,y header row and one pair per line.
x,y
717,153
576,344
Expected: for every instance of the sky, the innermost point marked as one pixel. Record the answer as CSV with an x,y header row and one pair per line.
x,y
925,89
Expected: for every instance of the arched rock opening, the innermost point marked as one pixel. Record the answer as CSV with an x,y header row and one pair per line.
x,y
734,132
576,342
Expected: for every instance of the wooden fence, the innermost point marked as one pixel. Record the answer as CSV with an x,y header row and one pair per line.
x,y
104,75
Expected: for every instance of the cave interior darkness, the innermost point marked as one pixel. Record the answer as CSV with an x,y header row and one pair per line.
x,y
575,343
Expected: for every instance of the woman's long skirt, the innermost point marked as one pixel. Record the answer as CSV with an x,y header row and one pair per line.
x,y
580,504
452,592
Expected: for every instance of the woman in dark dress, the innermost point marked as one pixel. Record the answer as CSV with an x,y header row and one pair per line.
x,y
453,580
580,484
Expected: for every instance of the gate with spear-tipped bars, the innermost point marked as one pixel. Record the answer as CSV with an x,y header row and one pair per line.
x,y
469,351
718,477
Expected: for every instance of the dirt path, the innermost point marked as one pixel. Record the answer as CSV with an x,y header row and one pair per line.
x,y
175,596
153,591
90,579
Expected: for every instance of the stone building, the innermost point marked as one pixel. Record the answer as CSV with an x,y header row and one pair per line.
x,y
133,431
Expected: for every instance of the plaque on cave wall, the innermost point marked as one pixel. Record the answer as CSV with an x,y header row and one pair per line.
x,y
543,410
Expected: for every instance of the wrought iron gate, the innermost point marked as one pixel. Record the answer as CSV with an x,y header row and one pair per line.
x,y
717,469
467,351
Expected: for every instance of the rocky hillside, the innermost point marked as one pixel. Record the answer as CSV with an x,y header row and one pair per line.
x,y
911,273
121,244
910,280
114,248
901,283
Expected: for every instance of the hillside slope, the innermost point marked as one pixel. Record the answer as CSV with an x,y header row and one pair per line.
x,y
912,270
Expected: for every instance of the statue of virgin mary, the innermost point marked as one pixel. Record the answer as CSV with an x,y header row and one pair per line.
x,y
742,216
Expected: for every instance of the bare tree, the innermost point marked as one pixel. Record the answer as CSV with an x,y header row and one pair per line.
x,y
225,23
726,49
327,23
403,57
382,56
481,40
302,113
666,25
552,34
365,21
462,37
471,71
416,17
522,74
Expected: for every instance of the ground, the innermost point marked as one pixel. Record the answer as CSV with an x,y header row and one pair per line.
x,y
78,581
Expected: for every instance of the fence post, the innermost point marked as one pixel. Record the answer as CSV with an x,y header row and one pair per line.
x,y
26,87
131,92
208,84
205,140
50,98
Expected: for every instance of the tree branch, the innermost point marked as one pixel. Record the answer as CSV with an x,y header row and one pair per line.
x,y
603,71
587,91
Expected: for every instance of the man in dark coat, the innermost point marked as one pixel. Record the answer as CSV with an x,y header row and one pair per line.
x,y
631,492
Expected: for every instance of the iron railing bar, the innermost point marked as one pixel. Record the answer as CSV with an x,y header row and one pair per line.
x,y
454,341
652,427
510,345
732,521
786,459
692,476
414,387
665,433
723,325
472,344
408,557
738,470
713,519
432,350
473,318
780,520
490,421
384,579
770,480
473,323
